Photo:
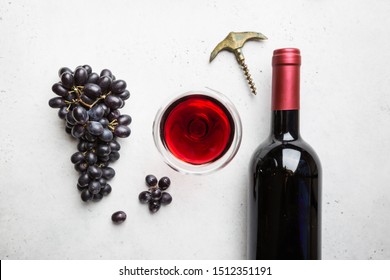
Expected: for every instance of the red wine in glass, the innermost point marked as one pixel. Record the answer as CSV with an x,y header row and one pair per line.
x,y
198,129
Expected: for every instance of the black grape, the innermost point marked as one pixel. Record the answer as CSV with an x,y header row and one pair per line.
x,y
88,68
124,95
80,76
93,78
57,102
166,198
88,103
113,102
93,91
59,89
80,114
118,86
63,70
124,120
67,80
95,128
104,83
122,131
106,72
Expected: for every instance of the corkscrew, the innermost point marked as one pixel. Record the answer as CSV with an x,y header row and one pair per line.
x,y
234,43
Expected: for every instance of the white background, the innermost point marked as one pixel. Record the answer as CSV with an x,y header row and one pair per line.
x,y
161,48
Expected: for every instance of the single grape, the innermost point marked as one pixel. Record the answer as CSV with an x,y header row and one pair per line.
x,y
93,78
94,187
156,194
81,167
145,197
124,95
106,136
104,122
86,99
105,108
113,102
113,115
68,130
68,124
118,86
80,76
89,137
124,120
88,68
97,197
94,172
80,188
106,190
90,158
118,217
96,113
104,158
122,131
84,180
166,198
80,114
102,182
62,112
114,145
91,145
114,156
108,173
151,180
93,91
57,102
59,89
106,72
69,118
103,150
95,128
63,70
78,131
104,83
86,195
82,146
154,206
67,80
164,183
77,157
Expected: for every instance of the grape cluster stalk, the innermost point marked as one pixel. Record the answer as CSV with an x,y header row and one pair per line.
x,y
89,104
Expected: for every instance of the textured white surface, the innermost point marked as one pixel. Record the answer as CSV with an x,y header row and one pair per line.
x,y
161,48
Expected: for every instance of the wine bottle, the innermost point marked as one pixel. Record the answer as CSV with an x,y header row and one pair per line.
x,y
285,179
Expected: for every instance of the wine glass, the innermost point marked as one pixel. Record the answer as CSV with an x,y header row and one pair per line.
x,y
198,132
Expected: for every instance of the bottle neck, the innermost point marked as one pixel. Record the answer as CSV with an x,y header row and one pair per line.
x,y
285,125
285,94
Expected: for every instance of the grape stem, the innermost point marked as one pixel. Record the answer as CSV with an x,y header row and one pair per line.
x,y
113,124
79,91
69,103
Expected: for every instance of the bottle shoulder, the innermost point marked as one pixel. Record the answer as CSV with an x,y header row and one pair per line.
x,y
285,154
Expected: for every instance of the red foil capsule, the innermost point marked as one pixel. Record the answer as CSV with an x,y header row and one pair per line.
x,y
285,79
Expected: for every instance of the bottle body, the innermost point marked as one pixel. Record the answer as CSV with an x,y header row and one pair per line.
x,y
285,179
285,201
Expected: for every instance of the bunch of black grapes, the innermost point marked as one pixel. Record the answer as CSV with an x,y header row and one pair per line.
x,y
89,104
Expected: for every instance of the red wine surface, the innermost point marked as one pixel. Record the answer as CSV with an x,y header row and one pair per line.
x,y
197,129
